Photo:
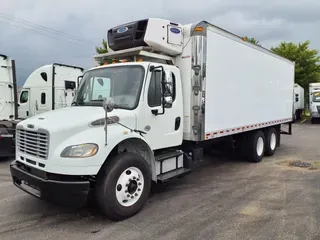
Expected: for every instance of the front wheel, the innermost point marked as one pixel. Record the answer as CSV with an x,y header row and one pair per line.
x,y
123,186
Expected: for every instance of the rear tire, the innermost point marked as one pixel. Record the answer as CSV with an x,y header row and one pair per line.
x,y
271,141
255,146
123,186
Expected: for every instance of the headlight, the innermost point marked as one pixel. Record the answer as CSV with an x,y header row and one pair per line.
x,y
80,151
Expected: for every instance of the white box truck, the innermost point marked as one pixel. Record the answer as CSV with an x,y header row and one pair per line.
x,y
314,101
171,92
48,87
298,101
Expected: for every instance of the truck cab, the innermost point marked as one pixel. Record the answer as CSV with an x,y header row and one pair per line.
x,y
49,87
298,101
314,98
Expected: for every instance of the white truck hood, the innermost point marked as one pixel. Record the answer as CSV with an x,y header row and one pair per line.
x,y
76,117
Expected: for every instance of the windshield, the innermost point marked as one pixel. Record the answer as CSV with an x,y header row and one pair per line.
x,y
316,97
122,83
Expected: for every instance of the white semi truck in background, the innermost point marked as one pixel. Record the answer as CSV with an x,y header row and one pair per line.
x,y
314,101
48,87
298,102
174,91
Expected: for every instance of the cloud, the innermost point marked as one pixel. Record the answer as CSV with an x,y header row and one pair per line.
x,y
269,21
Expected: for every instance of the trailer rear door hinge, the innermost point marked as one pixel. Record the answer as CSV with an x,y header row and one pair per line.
x,y
196,129
196,89
196,109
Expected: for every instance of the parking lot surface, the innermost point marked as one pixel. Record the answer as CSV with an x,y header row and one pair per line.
x,y
225,198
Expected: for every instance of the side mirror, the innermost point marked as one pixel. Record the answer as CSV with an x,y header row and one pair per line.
x,y
79,80
167,89
108,104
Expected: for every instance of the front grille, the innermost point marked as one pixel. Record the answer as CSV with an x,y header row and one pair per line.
x,y
35,143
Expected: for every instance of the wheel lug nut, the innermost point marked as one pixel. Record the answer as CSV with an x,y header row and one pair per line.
x,y
126,191
139,184
134,177
136,194
139,189
128,195
138,179
132,196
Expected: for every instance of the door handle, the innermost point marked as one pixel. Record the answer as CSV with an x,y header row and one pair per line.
x,y
177,123
155,111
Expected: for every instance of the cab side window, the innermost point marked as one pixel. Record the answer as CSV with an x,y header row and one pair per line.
x,y
24,96
154,92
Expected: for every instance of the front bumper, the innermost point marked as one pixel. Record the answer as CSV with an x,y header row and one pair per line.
x,y
49,187
315,115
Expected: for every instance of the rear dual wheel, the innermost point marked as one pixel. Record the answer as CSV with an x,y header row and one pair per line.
x,y
259,144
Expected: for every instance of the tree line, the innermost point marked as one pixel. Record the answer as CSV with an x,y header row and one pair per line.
x,y
307,68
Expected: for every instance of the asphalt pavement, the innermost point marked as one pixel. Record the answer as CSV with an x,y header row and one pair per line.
x,y
224,198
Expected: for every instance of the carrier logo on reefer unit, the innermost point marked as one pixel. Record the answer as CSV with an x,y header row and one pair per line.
x,y
122,30
175,30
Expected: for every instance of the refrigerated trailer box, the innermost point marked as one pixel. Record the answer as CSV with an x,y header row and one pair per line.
x,y
172,91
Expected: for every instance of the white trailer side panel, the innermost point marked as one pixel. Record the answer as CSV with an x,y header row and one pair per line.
x,y
7,104
245,86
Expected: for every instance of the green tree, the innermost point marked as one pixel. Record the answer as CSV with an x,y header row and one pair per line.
x,y
252,40
103,48
307,69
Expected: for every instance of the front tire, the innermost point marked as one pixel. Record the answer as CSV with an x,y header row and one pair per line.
x,y
123,186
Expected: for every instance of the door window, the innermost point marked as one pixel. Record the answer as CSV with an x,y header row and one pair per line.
x,y
43,98
154,92
24,96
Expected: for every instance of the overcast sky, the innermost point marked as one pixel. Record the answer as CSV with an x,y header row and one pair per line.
x,y
267,20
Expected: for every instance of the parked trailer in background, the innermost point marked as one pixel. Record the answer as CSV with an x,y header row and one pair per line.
x,y
298,101
49,87
8,107
174,91
314,99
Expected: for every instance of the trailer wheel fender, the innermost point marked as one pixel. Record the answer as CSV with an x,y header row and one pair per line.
x,y
135,145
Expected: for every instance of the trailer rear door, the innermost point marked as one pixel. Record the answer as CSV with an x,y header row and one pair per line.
x,y
7,89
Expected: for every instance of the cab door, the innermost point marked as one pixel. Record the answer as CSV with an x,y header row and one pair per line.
x,y
163,125
24,104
